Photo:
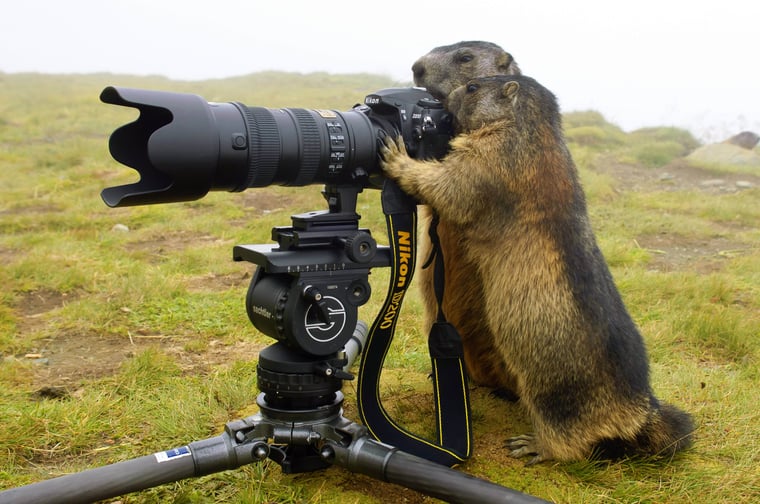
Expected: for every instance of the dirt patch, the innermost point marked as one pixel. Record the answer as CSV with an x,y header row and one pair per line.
x,y
679,175
36,303
214,282
671,252
163,245
383,492
66,359
266,201
63,361
33,208
216,354
32,307
702,255
69,358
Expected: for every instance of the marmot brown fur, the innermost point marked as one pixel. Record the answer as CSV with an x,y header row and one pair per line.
x,y
441,71
510,189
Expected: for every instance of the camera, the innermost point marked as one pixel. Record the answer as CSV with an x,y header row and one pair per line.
x,y
183,146
307,289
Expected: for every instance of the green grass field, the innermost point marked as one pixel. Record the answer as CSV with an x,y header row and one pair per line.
x,y
123,331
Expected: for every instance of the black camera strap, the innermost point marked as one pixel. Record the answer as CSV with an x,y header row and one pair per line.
x,y
451,394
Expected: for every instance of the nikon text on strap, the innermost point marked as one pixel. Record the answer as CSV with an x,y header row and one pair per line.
x,y
453,424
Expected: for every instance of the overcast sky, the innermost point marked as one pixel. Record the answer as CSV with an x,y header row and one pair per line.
x,y
692,64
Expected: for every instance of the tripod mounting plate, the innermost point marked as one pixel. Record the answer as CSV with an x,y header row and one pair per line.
x,y
304,260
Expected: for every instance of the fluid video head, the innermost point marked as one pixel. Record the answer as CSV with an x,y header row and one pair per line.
x,y
183,146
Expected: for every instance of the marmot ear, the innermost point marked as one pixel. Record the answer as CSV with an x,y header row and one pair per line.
x,y
506,64
510,90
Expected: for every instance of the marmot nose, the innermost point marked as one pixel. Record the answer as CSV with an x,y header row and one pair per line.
x,y
418,69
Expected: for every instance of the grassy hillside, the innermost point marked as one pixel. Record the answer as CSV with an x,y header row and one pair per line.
x,y
123,331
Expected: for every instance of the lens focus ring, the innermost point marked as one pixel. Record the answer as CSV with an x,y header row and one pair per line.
x,y
311,146
264,146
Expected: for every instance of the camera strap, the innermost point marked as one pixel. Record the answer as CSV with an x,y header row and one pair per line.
x,y
453,443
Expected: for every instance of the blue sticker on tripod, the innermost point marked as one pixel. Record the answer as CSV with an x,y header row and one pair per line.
x,y
175,453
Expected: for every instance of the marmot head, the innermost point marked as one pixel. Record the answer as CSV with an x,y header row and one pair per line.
x,y
517,98
446,68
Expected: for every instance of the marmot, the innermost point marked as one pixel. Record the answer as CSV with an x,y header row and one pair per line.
x,y
445,68
441,71
510,189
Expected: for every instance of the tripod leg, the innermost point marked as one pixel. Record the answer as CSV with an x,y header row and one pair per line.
x,y
104,482
196,459
387,463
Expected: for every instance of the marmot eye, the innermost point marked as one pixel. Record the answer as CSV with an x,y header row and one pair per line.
x,y
471,88
464,58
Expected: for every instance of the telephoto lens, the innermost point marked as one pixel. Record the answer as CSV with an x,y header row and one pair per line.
x,y
183,146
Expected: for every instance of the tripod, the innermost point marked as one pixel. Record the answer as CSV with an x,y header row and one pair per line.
x,y
306,294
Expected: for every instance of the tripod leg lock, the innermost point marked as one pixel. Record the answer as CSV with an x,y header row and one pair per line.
x,y
363,455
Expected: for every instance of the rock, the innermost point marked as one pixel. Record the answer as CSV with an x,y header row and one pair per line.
x,y
743,184
120,228
745,140
723,154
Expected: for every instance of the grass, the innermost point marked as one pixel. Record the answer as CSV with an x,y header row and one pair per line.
x,y
651,147
145,330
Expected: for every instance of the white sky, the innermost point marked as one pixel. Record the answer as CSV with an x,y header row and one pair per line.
x,y
692,64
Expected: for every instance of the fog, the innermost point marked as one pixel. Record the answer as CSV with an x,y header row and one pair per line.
x,y
644,63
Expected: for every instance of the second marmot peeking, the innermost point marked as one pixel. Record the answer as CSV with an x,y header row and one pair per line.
x,y
445,68
510,190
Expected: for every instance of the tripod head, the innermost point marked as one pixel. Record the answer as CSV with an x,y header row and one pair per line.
x,y
307,290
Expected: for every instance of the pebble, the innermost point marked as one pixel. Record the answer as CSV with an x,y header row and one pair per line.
x,y
120,228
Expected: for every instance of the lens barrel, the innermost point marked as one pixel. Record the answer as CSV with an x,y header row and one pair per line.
x,y
183,146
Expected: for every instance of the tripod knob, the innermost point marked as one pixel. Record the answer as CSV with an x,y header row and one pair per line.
x,y
361,247
313,296
260,450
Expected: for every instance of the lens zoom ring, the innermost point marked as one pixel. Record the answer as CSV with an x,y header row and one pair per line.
x,y
311,150
264,146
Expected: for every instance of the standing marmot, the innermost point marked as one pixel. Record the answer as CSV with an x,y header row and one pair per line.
x,y
511,189
441,71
